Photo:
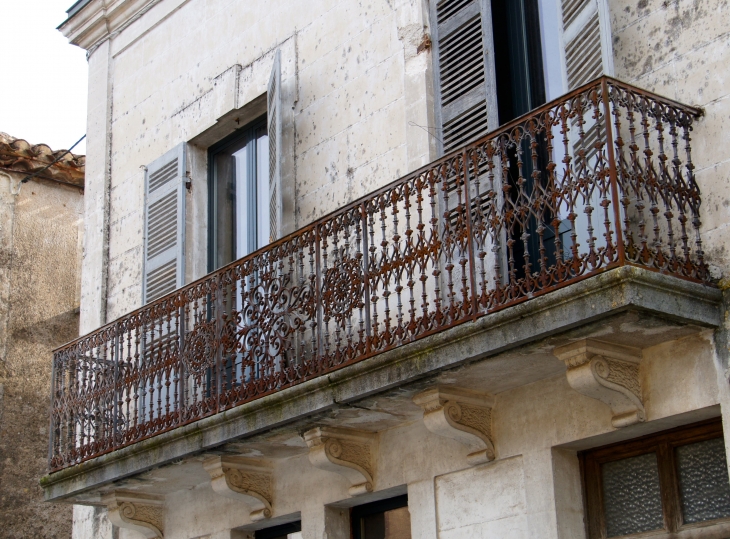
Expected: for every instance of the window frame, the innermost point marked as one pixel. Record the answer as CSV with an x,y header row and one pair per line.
x,y
664,445
247,132
372,508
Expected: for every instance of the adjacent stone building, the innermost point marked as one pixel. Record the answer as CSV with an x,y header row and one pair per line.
x,y
41,232
400,268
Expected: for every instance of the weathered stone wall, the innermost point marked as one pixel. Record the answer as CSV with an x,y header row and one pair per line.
x,y
40,227
681,49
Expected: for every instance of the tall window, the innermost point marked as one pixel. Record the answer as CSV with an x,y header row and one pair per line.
x,y
239,194
668,485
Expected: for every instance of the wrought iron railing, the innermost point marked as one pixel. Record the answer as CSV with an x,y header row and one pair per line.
x,y
600,178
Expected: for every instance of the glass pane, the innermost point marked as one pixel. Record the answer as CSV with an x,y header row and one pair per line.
x,y
704,489
240,193
224,210
631,495
242,218
262,188
395,524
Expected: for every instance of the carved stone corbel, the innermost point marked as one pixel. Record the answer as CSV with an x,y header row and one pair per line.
x,y
608,373
245,479
142,513
348,452
463,415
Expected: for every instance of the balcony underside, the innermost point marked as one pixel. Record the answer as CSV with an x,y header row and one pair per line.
x,y
510,348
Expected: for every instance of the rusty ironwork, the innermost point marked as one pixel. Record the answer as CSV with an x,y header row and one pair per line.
x,y
600,178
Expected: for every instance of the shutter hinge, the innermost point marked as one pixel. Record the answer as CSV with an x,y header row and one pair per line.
x,y
425,44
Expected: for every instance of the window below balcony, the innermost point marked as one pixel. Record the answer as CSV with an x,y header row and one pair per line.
x,y
674,482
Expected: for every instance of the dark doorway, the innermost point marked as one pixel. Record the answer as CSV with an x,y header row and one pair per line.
x,y
520,89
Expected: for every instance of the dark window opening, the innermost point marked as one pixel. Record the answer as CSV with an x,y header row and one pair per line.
x,y
520,89
285,531
386,519
668,482
517,57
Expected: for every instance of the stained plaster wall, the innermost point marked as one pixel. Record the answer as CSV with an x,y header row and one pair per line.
x,y
531,490
681,49
39,263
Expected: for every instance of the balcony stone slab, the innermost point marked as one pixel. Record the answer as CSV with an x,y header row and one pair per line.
x,y
627,306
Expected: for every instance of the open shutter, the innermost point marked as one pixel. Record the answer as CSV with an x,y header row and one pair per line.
x,y
586,41
461,33
274,127
164,246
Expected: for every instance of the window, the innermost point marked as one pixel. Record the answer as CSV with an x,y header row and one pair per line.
x,y
245,183
387,519
490,58
285,531
495,60
674,482
239,194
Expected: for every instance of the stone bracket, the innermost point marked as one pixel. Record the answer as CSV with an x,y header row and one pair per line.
x,y
142,513
348,452
244,479
463,415
609,373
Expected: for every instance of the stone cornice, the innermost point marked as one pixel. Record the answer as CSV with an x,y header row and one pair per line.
x,y
100,19
18,155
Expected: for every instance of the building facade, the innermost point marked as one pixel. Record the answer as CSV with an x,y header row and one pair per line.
x,y
399,268
41,225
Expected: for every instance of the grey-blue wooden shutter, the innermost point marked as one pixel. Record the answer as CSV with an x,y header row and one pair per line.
x,y
461,32
164,245
586,41
274,129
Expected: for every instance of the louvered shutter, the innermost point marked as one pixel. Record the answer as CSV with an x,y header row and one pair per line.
x,y
164,246
274,128
461,34
586,41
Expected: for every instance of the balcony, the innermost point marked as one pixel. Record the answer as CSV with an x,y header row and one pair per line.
x,y
599,180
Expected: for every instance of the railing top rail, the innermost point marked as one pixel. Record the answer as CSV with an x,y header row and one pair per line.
x,y
505,128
